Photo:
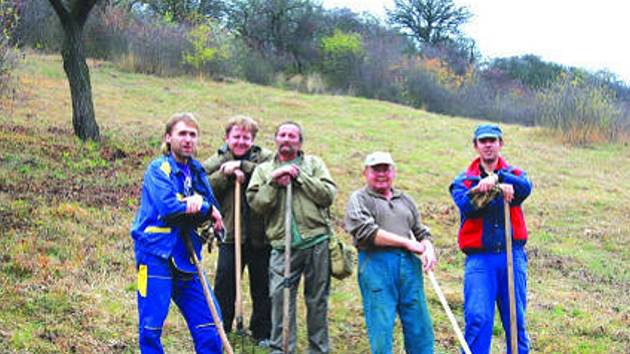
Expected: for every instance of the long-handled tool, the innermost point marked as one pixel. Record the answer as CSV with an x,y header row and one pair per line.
x,y
286,331
447,309
237,257
207,293
510,271
482,199
449,313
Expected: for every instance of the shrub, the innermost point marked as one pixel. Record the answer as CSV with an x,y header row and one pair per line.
x,y
210,50
252,66
309,83
343,53
107,32
487,98
39,26
380,71
583,111
155,47
423,90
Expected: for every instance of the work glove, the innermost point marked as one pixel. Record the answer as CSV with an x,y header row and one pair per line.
x,y
481,200
207,234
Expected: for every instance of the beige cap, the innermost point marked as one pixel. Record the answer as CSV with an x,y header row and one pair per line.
x,y
378,158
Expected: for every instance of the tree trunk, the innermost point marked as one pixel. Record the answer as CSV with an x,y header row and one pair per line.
x,y
78,73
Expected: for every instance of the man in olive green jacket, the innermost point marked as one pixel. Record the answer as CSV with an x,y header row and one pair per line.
x,y
313,193
235,161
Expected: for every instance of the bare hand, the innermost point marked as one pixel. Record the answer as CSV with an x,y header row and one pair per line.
x,y
415,247
228,168
217,220
508,191
240,176
283,180
193,204
487,183
283,175
428,256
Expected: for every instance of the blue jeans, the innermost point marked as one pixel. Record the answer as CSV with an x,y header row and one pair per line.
x,y
391,283
486,283
163,283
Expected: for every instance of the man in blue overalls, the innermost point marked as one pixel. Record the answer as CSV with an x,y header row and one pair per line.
x,y
479,193
176,199
387,230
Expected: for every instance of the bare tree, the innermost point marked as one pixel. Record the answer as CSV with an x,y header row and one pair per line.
x,y
280,28
428,21
73,14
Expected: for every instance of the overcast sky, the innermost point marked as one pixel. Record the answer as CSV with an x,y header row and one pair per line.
x,y
586,34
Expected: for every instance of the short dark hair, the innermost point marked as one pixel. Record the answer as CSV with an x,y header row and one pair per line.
x,y
290,122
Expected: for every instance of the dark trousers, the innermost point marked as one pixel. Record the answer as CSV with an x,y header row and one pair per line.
x,y
314,264
257,261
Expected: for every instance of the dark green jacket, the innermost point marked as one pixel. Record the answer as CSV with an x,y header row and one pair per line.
x,y
252,224
313,193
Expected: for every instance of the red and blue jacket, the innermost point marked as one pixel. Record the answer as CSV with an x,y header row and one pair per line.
x,y
483,229
161,219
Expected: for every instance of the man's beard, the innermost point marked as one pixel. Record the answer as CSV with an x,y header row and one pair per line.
x,y
287,149
490,161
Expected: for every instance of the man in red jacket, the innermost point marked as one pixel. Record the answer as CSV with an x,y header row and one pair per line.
x,y
479,193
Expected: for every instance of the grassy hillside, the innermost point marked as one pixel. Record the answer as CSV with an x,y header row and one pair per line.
x,y
67,280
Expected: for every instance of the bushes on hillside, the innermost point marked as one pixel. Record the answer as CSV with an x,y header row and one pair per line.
x,y
155,48
584,111
39,26
581,107
210,51
299,45
144,44
343,54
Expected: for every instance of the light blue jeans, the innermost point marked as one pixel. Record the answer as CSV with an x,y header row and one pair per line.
x,y
391,283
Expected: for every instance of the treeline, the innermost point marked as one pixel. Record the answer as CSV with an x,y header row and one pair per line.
x,y
297,44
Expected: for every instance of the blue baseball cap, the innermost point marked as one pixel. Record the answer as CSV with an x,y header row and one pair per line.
x,y
488,131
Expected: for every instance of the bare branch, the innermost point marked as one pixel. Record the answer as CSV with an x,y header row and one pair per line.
x,y
428,21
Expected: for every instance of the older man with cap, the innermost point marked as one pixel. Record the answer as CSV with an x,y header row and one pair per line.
x,y
387,230
479,193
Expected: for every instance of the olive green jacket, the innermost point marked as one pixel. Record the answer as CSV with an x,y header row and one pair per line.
x,y
313,193
252,225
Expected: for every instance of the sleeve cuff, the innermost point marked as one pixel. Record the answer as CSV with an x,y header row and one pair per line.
x,y
205,208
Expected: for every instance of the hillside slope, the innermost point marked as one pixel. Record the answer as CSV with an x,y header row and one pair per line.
x,y
67,273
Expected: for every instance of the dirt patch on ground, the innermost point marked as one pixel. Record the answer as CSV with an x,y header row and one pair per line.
x,y
12,219
570,267
18,129
72,189
114,181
